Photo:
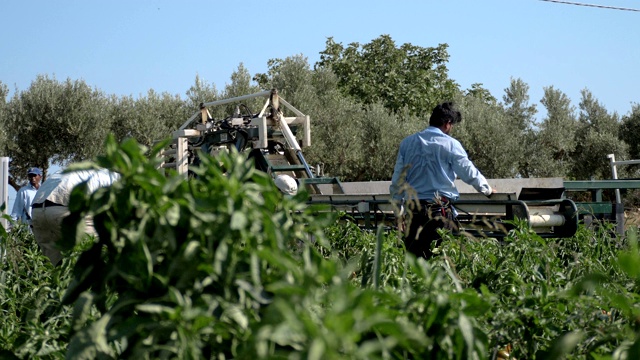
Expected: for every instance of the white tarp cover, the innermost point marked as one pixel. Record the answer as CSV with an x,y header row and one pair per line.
x,y
57,188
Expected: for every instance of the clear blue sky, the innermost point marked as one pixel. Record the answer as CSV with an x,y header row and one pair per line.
x,y
128,47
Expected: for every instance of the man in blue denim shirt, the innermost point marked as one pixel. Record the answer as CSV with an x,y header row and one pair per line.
x,y
428,162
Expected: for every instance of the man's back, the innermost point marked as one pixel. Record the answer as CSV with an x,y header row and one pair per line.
x,y
429,162
429,155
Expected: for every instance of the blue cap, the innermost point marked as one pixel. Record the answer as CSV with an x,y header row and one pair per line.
x,y
34,171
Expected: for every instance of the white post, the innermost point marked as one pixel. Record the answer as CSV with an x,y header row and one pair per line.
x,y
288,135
182,157
619,207
306,127
614,174
4,198
4,191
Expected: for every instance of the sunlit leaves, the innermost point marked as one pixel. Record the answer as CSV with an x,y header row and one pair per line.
x,y
405,76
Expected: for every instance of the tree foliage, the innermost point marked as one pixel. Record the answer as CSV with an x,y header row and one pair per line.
x,y
516,103
147,119
596,137
520,117
293,78
352,141
54,122
362,99
630,131
555,139
406,76
240,85
201,92
477,91
488,137
4,91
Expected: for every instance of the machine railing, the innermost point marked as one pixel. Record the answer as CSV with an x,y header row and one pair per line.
x,y
605,210
479,217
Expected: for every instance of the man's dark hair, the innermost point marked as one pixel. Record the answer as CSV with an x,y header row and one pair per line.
x,y
444,113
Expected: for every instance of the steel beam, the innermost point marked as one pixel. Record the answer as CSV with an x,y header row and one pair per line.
x,y
587,185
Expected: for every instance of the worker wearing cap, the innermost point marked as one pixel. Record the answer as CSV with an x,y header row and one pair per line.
x,y
24,198
429,162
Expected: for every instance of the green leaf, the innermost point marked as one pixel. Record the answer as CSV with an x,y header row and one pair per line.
x,y
238,221
564,345
154,309
466,328
172,214
91,342
236,313
191,250
81,310
316,350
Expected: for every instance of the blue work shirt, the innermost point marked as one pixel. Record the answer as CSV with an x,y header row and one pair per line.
x,y
432,160
22,205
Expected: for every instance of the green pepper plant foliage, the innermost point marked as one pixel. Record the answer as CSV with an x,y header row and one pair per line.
x,y
33,322
180,267
573,298
224,266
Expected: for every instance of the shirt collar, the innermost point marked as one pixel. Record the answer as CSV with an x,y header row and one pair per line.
x,y
435,129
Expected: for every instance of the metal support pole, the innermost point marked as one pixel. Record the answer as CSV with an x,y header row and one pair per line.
x,y
614,174
293,143
619,207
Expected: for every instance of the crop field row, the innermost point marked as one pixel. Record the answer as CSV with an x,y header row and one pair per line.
x,y
225,267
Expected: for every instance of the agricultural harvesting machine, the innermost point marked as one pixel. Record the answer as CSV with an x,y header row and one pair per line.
x,y
275,142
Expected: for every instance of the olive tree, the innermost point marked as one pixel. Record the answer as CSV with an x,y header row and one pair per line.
x,y
240,85
630,134
555,142
358,143
201,92
477,91
294,79
520,115
630,131
487,134
54,122
4,91
149,118
596,137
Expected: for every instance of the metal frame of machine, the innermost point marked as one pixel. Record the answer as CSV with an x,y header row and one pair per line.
x,y
537,202
268,137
